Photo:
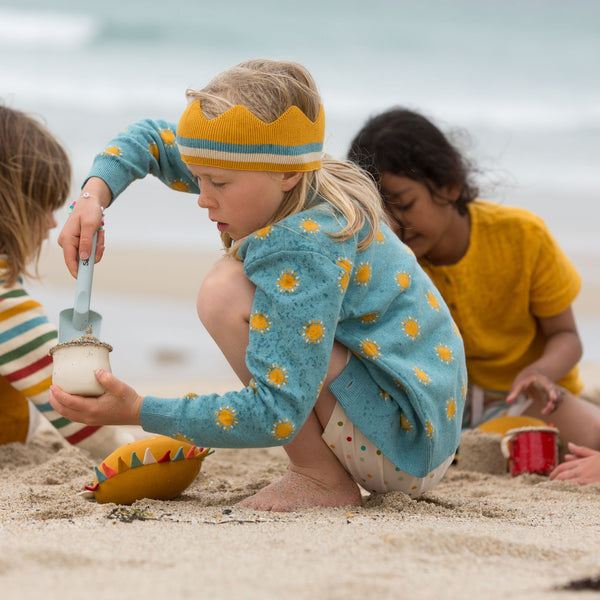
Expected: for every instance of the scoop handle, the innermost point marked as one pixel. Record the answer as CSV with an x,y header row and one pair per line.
x,y
83,289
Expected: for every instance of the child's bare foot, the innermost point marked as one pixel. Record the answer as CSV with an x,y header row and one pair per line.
x,y
295,490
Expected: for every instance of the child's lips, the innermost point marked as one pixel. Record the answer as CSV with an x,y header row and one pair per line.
x,y
222,226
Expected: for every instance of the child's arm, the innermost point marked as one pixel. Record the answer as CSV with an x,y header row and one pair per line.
x,y
146,147
562,352
286,364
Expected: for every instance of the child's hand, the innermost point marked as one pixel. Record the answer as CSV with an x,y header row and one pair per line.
x,y
540,389
582,466
119,405
86,217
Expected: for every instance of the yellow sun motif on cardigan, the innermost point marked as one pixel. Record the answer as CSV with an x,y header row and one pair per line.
x,y
344,263
263,233
451,408
320,386
384,395
463,389
456,329
398,383
380,237
184,438
226,418
309,225
444,353
422,377
153,149
190,396
362,276
288,281
259,322
112,151
369,319
432,300
429,429
403,279
253,385
406,424
411,328
313,332
344,276
283,429
167,136
277,376
179,185
370,349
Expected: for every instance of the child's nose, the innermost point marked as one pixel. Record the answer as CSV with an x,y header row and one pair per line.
x,y
205,201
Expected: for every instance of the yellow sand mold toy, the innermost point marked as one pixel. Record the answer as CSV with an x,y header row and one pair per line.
x,y
159,468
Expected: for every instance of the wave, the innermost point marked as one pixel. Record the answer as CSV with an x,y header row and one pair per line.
x,y
34,29
119,92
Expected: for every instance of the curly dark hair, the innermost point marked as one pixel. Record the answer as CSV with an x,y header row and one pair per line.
x,y
402,142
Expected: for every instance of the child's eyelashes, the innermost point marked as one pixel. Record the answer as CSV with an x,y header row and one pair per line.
x,y
400,207
203,182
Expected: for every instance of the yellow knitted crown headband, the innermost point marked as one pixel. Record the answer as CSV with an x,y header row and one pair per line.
x,y
239,140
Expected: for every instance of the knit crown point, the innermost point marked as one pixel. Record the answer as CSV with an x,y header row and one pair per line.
x,y
237,139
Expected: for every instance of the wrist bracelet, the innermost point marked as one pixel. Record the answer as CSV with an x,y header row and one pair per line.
x,y
87,195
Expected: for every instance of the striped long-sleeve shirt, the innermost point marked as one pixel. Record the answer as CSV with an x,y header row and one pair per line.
x,y
26,336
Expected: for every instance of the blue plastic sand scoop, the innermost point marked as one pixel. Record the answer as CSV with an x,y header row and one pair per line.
x,y
74,322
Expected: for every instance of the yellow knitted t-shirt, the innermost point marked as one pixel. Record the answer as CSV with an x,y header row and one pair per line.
x,y
513,272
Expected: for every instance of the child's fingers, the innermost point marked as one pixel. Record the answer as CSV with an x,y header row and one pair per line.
x,y
123,404
100,246
69,244
112,384
86,240
564,471
69,406
581,451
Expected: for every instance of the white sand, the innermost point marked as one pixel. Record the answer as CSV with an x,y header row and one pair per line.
x,y
477,535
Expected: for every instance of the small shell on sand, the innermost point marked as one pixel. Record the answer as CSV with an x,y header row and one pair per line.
x,y
75,363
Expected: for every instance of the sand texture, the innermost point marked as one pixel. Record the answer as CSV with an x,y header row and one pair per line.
x,y
481,534
477,535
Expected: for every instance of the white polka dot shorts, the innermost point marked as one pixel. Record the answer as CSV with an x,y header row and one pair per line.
x,y
366,463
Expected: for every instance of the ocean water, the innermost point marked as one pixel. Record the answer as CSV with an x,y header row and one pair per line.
x,y
516,82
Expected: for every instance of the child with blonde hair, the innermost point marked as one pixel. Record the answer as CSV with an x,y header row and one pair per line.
x,y
348,354
35,176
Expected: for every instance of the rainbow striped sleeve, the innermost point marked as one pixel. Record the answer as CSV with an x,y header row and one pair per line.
x,y
26,335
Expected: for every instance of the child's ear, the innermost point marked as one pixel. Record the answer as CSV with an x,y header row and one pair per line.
x,y
452,193
289,180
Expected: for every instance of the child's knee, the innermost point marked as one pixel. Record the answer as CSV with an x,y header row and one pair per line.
x,y
225,290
